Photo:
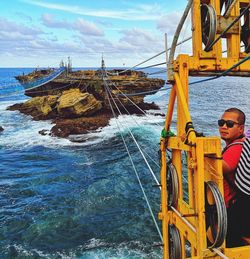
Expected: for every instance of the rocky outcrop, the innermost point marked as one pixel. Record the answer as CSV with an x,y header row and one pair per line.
x,y
78,103
70,104
73,103
42,104
1,129
65,127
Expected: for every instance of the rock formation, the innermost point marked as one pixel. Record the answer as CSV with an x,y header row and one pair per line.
x,y
78,103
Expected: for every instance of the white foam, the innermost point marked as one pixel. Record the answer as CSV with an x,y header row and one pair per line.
x,y
20,130
122,124
94,249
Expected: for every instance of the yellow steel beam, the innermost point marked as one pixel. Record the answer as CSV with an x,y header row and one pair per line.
x,y
242,252
163,215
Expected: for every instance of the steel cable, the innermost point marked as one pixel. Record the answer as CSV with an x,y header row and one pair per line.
x,y
136,173
228,27
150,169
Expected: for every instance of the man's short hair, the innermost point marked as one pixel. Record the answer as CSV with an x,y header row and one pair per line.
x,y
241,114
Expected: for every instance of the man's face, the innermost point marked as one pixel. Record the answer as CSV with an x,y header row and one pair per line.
x,y
230,134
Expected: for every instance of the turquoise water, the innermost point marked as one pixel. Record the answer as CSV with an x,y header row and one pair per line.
x,y
62,199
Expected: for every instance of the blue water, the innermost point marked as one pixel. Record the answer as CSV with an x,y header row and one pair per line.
x,y
64,199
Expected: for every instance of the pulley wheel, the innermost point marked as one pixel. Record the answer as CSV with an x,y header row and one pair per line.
x,y
172,185
208,25
245,31
174,242
224,5
216,215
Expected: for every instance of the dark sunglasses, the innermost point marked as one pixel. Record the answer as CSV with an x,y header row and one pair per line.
x,y
229,123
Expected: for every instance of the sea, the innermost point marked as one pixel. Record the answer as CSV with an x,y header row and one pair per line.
x,y
81,197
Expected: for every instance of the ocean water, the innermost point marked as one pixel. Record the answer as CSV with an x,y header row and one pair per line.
x,y
64,199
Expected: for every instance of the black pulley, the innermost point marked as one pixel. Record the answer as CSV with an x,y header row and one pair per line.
x,y
216,215
245,30
172,185
174,242
208,25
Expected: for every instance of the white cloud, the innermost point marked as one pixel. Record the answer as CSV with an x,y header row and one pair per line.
x,y
8,26
82,26
168,23
49,21
141,40
85,27
136,13
14,35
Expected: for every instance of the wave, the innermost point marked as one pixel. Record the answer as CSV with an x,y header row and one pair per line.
x,y
122,125
20,130
93,249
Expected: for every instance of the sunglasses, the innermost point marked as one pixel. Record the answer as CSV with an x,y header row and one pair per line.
x,y
229,123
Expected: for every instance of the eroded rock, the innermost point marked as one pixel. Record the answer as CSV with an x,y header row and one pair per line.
x,y
74,103
77,103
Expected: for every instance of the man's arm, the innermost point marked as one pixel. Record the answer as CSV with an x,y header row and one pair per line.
x,y
226,168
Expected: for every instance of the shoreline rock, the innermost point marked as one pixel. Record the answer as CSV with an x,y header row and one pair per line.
x,y
83,105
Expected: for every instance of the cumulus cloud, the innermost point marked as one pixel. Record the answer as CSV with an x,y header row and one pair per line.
x,y
49,21
85,27
169,22
141,40
14,36
9,26
18,39
82,26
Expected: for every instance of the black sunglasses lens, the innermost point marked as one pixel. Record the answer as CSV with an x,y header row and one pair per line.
x,y
221,122
229,123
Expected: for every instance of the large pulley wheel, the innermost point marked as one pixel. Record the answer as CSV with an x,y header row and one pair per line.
x,y
245,31
174,242
208,25
216,215
172,185
224,6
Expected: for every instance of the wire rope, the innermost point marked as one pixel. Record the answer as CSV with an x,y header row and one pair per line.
x,y
136,173
175,39
37,91
228,11
228,28
146,114
149,167
158,72
160,53
157,164
133,102
145,92
16,93
184,33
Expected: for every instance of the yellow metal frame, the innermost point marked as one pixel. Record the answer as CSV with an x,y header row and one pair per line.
x,y
189,217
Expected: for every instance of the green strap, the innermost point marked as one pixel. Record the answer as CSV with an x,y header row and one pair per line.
x,y
167,134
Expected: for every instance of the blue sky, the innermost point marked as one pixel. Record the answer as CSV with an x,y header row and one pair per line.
x,y
43,32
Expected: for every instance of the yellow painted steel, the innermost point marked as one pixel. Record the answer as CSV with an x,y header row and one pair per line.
x,y
188,215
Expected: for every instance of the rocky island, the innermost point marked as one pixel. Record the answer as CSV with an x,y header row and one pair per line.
x,y
77,102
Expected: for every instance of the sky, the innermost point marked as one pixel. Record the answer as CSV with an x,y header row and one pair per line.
x,y
41,33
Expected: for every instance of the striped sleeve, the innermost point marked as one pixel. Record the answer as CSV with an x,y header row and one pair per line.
x,y
242,177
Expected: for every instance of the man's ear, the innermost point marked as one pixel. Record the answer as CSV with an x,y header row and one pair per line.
x,y
242,129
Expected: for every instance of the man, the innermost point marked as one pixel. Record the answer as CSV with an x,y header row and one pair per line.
x,y
231,128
